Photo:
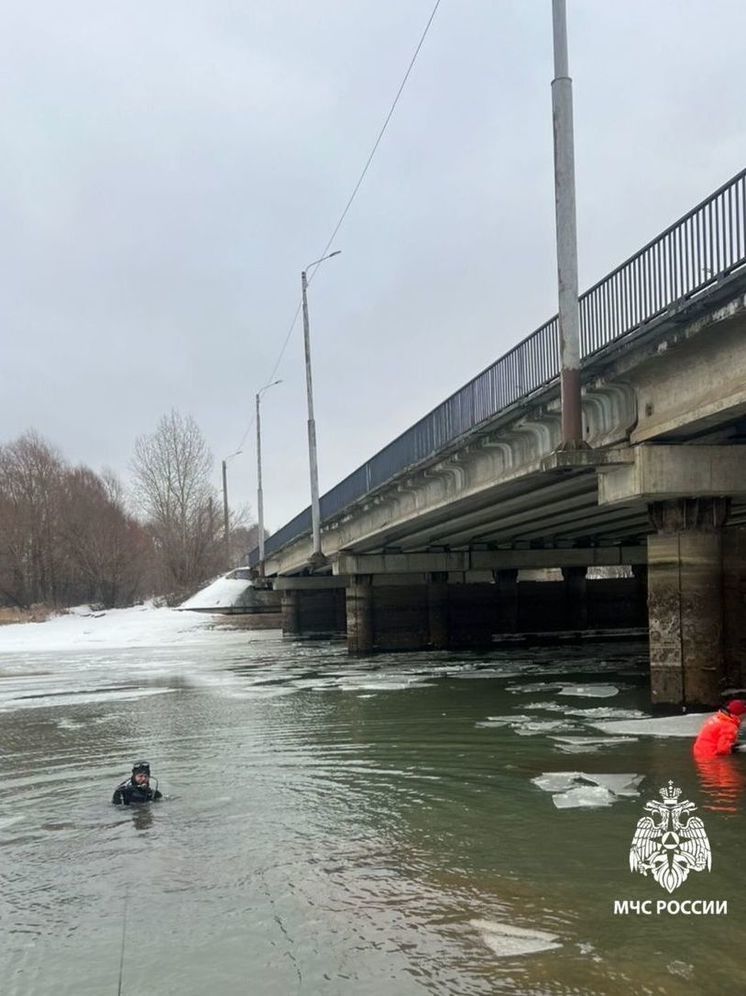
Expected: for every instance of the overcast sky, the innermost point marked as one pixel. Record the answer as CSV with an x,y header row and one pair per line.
x,y
168,168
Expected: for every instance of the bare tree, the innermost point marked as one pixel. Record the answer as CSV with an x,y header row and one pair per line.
x,y
244,538
106,550
171,470
31,473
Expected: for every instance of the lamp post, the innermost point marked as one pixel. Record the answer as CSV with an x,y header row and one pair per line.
x,y
226,528
312,455
259,493
567,240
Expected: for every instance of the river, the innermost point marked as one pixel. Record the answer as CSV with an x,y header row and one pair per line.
x,y
381,826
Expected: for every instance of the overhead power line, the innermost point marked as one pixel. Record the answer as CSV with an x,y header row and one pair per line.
x,y
351,199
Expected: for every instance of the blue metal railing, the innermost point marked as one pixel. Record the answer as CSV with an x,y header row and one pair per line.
x,y
695,252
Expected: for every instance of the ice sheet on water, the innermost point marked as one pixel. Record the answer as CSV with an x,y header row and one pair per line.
x,y
537,686
573,789
589,745
556,781
607,712
589,691
507,941
546,706
383,684
538,727
485,672
12,702
584,797
503,720
668,726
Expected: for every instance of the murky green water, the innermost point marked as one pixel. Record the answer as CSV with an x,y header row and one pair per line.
x,y
344,827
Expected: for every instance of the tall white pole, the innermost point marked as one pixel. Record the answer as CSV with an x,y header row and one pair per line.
x,y
312,454
567,241
259,493
226,529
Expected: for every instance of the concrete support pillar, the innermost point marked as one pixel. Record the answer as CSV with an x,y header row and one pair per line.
x,y
360,614
685,601
290,604
507,599
734,608
576,597
437,610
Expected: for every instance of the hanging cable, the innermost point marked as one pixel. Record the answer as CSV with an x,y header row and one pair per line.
x,y
350,200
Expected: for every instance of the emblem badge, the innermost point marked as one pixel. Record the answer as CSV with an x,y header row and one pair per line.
x,y
670,842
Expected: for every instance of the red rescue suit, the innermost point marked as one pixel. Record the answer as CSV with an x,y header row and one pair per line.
x,y
718,736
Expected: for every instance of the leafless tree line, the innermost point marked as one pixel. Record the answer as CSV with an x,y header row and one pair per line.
x,y
69,535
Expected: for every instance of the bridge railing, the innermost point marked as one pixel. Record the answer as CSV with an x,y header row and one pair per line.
x,y
695,252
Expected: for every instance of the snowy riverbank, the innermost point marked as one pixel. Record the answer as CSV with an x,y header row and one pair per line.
x,y
139,626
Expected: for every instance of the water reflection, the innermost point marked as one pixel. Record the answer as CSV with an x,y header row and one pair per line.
x,y
142,817
723,780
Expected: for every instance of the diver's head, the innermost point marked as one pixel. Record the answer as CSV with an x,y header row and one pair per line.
x,y
736,707
141,773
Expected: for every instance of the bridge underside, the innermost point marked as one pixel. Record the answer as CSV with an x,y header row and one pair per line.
x,y
433,558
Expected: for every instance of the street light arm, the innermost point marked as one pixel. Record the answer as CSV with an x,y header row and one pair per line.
x,y
266,387
316,262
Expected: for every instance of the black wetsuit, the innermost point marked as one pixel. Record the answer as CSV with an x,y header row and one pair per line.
x,y
128,792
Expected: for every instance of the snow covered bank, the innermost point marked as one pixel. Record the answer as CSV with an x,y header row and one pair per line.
x,y
140,626
224,592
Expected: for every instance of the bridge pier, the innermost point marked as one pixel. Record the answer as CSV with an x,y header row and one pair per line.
x,y
437,610
359,602
289,601
685,601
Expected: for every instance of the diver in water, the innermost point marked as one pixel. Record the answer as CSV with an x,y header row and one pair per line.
x,y
137,788
719,735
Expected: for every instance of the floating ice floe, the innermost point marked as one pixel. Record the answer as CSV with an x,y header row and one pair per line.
x,y
590,691
485,672
667,726
588,745
507,941
11,702
382,685
547,706
504,720
537,727
606,712
537,686
576,789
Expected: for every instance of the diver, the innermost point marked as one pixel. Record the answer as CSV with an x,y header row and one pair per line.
x,y
137,787
719,735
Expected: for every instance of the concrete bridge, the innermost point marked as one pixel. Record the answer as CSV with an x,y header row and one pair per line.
x,y
424,543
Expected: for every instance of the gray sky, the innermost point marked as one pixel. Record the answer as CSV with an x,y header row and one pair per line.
x,y
168,169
